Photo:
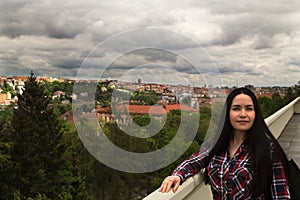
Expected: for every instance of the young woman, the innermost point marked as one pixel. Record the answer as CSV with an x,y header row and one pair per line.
x,y
246,161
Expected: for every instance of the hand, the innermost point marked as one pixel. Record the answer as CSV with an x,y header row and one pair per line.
x,y
170,181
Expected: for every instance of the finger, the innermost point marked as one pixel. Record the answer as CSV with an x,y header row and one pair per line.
x,y
167,185
167,188
176,186
164,187
161,189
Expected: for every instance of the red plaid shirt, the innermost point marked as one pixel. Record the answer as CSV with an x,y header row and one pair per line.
x,y
231,178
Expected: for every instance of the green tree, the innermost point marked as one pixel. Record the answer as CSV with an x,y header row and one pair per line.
x,y
290,95
297,89
145,98
266,105
59,86
205,118
74,181
186,100
6,88
103,94
5,117
141,120
37,148
5,155
278,102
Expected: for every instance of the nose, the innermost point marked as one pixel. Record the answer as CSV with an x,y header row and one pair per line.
x,y
243,113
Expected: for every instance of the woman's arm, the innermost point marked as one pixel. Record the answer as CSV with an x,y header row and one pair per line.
x,y
191,166
187,168
197,161
280,188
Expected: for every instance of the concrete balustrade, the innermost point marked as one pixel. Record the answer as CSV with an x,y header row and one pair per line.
x,y
195,189
279,119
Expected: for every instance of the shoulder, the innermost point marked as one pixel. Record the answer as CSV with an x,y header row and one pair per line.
x,y
277,153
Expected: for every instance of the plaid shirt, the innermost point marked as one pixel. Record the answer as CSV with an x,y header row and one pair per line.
x,y
231,178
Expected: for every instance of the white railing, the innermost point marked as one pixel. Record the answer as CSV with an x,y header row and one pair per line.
x,y
194,187
278,120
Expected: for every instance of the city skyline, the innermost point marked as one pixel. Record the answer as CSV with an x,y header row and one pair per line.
x,y
137,81
248,43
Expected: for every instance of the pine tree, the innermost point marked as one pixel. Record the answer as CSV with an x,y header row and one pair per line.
x,y
5,117
37,149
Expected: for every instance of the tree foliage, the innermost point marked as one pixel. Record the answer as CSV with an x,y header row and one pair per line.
x,y
271,105
37,135
144,98
36,166
54,86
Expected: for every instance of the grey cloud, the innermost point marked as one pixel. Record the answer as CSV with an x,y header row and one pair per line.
x,y
259,28
156,58
257,6
148,56
295,62
56,36
68,64
156,55
263,42
63,28
38,18
238,69
240,20
14,70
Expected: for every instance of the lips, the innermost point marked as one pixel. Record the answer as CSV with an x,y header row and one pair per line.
x,y
242,122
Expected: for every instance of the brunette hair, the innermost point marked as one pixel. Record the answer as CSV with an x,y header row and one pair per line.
x,y
262,145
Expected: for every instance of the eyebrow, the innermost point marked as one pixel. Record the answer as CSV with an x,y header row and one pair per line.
x,y
237,105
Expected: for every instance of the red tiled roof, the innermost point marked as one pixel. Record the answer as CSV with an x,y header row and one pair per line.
x,y
153,110
141,109
179,107
100,109
268,95
22,78
145,109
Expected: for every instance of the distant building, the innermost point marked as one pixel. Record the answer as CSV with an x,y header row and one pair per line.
x,y
6,100
58,94
264,94
124,111
250,87
4,96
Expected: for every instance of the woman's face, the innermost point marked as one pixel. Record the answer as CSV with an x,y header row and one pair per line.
x,y
242,113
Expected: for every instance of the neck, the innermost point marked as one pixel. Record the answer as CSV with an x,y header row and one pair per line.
x,y
235,143
238,137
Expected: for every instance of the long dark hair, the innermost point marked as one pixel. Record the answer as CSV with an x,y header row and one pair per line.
x,y
260,142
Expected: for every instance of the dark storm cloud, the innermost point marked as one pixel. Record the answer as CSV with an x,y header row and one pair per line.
x,y
68,64
39,18
240,69
258,27
156,55
295,63
63,28
156,58
258,20
248,37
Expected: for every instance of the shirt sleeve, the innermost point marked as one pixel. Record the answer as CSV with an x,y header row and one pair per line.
x,y
280,189
194,163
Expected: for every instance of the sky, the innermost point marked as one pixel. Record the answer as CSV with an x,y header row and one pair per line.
x,y
195,42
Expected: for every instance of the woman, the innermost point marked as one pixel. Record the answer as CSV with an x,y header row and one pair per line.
x,y
246,161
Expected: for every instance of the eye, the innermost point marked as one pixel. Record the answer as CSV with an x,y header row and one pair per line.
x,y
249,108
235,108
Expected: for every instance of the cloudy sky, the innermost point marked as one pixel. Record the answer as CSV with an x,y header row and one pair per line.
x,y
233,42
